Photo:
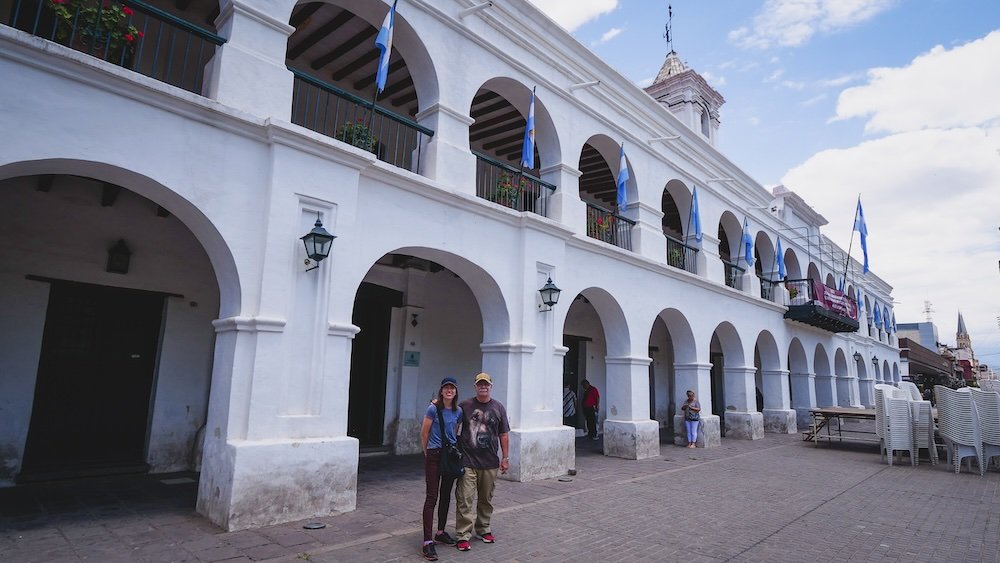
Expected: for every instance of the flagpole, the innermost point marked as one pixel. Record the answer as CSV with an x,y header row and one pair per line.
x,y
520,166
847,261
687,231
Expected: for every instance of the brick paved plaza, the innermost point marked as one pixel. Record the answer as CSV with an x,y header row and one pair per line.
x,y
777,499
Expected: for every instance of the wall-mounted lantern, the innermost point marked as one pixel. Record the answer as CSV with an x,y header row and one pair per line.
x,y
857,356
550,295
875,361
119,257
318,242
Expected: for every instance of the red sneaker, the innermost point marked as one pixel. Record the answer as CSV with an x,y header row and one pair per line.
x,y
487,538
463,545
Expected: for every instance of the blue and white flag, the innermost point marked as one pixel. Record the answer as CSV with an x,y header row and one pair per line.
x,y
622,179
885,320
894,322
383,42
840,285
861,227
861,304
528,148
747,243
878,315
781,261
694,219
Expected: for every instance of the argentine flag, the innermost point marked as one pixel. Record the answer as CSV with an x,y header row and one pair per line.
x,y
747,243
694,219
622,179
861,227
383,42
781,261
528,148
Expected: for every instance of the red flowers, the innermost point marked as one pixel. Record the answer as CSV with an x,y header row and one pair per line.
x,y
129,37
127,11
141,34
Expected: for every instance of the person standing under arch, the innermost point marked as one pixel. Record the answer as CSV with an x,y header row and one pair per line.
x,y
591,404
438,487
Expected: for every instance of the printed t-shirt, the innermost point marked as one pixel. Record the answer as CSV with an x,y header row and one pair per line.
x,y
482,425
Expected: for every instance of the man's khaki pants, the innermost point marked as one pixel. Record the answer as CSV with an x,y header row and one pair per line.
x,y
479,483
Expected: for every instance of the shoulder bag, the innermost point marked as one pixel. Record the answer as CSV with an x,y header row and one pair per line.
x,y
450,464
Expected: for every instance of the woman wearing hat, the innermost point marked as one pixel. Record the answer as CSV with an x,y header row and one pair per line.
x,y
438,487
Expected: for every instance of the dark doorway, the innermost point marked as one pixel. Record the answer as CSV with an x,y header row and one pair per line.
x,y
719,390
575,369
370,362
95,376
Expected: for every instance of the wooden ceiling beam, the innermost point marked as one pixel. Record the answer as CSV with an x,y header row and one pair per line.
x,y
315,37
499,119
394,66
366,34
500,142
357,64
480,111
405,98
303,13
511,125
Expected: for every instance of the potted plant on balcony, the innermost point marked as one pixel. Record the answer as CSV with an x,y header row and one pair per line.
x,y
601,228
506,193
676,258
99,27
358,134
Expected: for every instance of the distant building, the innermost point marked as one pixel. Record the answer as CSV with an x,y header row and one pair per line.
x,y
926,334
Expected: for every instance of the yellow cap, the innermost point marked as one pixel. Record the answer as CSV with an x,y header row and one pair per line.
x,y
484,377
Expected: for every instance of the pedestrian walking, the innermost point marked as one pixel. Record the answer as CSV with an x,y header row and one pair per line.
x,y
692,418
438,486
591,404
484,427
569,406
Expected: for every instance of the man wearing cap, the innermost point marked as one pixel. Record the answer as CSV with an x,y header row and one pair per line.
x,y
484,427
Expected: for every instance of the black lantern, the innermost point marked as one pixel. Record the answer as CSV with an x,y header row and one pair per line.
x,y
857,356
119,256
318,243
875,361
550,294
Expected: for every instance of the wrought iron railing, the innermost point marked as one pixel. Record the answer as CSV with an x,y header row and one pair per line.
x,y
680,255
128,33
506,185
767,288
734,275
326,109
812,292
609,227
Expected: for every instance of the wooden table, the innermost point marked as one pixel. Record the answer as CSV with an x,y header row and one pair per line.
x,y
821,418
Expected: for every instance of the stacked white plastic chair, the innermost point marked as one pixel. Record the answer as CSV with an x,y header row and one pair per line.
x,y
912,389
899,432
923,428
881,423
958,423
988,408
990,385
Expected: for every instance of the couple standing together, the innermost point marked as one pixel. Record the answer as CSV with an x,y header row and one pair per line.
x,y
479,425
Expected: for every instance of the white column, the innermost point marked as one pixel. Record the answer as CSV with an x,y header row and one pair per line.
x,y
698,378
742,419
248,72
446,157
565,205
629,432
709,264
779,418
647,233
803,396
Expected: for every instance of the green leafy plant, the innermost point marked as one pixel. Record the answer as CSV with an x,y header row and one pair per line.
x,y
793,292
358,134
96,26
506,193
676,257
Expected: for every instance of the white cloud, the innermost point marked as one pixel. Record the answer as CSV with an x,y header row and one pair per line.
x,y
716,81
754,120
930,200
840,80
793,85
791,23
609,35
814,100
942,88
775,75
571,14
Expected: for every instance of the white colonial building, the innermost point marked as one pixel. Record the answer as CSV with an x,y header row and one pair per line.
x,y
160,313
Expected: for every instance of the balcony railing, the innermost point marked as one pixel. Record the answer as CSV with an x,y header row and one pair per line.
x,y
504,184
734,275
815,304
767,289
128,33
326,109
609,227
680,255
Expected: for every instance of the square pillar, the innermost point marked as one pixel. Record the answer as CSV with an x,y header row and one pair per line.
x,y
779,418
248,72
709,263
447,157
803,396
647,233
698,378
628,431
743,422
565,205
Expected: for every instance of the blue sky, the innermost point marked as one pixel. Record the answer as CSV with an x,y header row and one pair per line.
x,y
898,100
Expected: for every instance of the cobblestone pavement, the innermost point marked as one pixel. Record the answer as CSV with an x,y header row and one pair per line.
x,y
776,499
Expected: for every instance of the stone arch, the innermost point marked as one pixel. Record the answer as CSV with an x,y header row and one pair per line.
x,y
600,159
730,343
684,343
887,375
797,360
730,233
671,344
766,265
813,273
204,229
895,372
865,383
675,204
802,390
831,281
792,267
498,130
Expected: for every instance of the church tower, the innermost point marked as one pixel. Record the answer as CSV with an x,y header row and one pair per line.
x,y
962,339
686,93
